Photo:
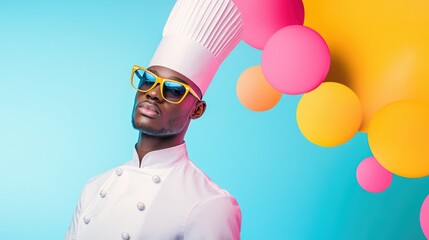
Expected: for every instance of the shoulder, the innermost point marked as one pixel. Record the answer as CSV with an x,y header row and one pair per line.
x,y
197,189
94,184
221,205
202,182
98,180
215,212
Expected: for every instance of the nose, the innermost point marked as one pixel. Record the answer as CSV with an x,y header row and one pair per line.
x,y
155,94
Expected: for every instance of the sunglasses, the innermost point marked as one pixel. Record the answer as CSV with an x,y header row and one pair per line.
x,y
172,91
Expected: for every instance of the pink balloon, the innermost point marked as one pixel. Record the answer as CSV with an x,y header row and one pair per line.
x,y
424,217
295,60
262,18
372,176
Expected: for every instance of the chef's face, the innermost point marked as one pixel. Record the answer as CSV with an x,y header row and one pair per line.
x,y
154,116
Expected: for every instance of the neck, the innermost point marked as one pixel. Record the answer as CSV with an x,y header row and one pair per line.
x,y
148,143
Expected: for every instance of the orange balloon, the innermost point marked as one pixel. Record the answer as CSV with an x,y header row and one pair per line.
x,y
379,49
398,136
254,92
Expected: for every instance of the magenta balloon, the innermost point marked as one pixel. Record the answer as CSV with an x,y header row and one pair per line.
x,y
372,176
424,217
262,18
295,60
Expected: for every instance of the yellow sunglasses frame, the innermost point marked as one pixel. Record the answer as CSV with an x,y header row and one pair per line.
x,y
161,81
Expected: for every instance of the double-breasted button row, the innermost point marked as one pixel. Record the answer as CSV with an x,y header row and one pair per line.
x,y
140,205
124,235
155,178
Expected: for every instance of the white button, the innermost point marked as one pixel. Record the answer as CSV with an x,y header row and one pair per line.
x,y
125,236
103,193
86,220
119,171
156,179
141,206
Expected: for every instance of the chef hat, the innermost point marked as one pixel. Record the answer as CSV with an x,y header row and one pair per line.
x,y
198,36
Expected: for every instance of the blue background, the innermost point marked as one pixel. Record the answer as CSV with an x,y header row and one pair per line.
x,y
65,107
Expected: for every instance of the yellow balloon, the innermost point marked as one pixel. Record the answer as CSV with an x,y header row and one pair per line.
x,y
379,49
398,136
329,115
254,92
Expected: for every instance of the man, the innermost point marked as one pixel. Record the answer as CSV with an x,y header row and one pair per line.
x,y
160,193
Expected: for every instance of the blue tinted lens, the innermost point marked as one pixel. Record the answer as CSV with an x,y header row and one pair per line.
x,y
173,91
143,80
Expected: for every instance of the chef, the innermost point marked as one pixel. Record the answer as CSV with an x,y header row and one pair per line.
x,y
160,194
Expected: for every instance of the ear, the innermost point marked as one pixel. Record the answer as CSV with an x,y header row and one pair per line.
x,y
199,109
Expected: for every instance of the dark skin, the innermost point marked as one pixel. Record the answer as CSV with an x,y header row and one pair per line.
x,y
162,124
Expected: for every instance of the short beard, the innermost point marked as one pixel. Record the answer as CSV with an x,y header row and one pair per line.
x,y
161,133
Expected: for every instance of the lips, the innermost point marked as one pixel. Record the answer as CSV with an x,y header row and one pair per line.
x,y
148,109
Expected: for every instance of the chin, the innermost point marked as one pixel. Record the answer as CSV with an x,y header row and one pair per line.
x,y
161,133
147,130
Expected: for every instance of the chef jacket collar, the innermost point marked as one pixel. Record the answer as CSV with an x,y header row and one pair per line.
x,y
164,158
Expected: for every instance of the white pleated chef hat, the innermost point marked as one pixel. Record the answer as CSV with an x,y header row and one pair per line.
x,y
198,36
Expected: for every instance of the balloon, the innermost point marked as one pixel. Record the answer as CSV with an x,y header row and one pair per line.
x,y
372,177
398,136
329,115
254,92
295,60
261,19
380,50
424,217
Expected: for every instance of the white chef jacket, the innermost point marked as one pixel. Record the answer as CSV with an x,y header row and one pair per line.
x,y
167,197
